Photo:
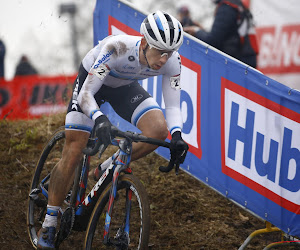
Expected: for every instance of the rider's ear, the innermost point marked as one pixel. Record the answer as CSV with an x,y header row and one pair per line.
x,y
143,43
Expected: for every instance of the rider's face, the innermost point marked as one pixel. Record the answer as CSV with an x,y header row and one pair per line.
x,y
156,58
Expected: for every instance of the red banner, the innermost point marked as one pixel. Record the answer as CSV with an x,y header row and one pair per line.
x,y
32,96
279,49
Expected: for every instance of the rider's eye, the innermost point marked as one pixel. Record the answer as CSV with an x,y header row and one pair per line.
x,y
168,54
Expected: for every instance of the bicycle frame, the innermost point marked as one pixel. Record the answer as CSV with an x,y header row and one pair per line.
x,y
80,207
85,204
121,163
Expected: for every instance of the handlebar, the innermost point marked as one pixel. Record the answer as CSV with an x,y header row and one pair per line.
x,y
93,150
134,137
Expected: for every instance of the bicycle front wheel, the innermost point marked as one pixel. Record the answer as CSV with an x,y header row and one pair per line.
x,y
38,193
122,235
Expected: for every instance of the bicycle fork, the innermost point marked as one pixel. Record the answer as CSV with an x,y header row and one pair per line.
x,y
121,163
112,197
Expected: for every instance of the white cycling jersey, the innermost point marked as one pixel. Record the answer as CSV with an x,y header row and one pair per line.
x,y
115,62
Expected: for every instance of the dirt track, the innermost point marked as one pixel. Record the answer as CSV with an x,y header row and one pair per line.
x,y
185,214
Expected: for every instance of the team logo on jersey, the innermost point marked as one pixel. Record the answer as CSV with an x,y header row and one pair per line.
x,y
104,59
136,98
131,58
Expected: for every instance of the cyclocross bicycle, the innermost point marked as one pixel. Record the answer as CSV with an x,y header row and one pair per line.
x,y
115,213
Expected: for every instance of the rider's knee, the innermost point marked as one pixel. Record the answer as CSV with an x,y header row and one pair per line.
x,y
72,152
153,124
160,131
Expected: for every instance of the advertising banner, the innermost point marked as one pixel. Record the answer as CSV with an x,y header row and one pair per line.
x,y
27,97
243,128
278,33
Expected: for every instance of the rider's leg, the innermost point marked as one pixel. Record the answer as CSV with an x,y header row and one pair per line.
x,y
152,124
62,175
60,183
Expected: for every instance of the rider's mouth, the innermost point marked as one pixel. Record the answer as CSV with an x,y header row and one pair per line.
x,y
157,67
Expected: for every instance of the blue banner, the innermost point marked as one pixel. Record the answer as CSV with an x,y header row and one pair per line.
x,y
242,127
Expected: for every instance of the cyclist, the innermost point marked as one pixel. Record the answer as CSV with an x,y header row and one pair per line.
x,y
110,72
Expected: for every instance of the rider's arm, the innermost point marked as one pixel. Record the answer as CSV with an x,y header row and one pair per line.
x,y
93,82
172,104
86,98
171,93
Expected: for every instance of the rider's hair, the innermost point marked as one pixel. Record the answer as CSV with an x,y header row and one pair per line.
x,y
162,31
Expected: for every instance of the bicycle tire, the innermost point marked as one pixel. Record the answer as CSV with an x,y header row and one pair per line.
x,y
37,202
139,215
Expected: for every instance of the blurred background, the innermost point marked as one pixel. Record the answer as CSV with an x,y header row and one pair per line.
x,y
43,30
56,34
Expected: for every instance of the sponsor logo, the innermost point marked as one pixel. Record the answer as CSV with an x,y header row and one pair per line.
x,y
104,59
128,67
260,145
75,96
136,98
131,58
279,49
93,192
38,96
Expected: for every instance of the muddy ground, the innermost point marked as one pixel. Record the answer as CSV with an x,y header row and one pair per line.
x,y
185,214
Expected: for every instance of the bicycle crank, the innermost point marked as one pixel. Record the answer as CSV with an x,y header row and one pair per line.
x,y
66,225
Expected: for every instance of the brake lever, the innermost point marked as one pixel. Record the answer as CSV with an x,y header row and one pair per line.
x,y
172,163
92,151
102,148
168,168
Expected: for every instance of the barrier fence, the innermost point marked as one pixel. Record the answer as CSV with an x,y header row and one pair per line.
x,y
242,127
27,97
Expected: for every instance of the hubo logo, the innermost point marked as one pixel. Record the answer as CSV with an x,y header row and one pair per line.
x,y
190,102
104,58
260,145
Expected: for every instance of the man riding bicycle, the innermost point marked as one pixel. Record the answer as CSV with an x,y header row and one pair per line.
x,y
110,72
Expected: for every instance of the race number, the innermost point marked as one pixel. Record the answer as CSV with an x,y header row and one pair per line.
x,y
175,82
101,71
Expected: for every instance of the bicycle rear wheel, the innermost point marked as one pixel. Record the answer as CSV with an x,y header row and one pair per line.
x,y
130,186
38,193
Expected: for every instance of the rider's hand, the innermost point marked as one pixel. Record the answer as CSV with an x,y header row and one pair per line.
x,y
178,148
103,129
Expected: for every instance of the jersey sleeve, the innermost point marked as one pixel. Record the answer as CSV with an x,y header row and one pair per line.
x,y
94,80
171,94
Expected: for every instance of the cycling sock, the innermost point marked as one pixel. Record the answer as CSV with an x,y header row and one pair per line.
x,y
51,216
